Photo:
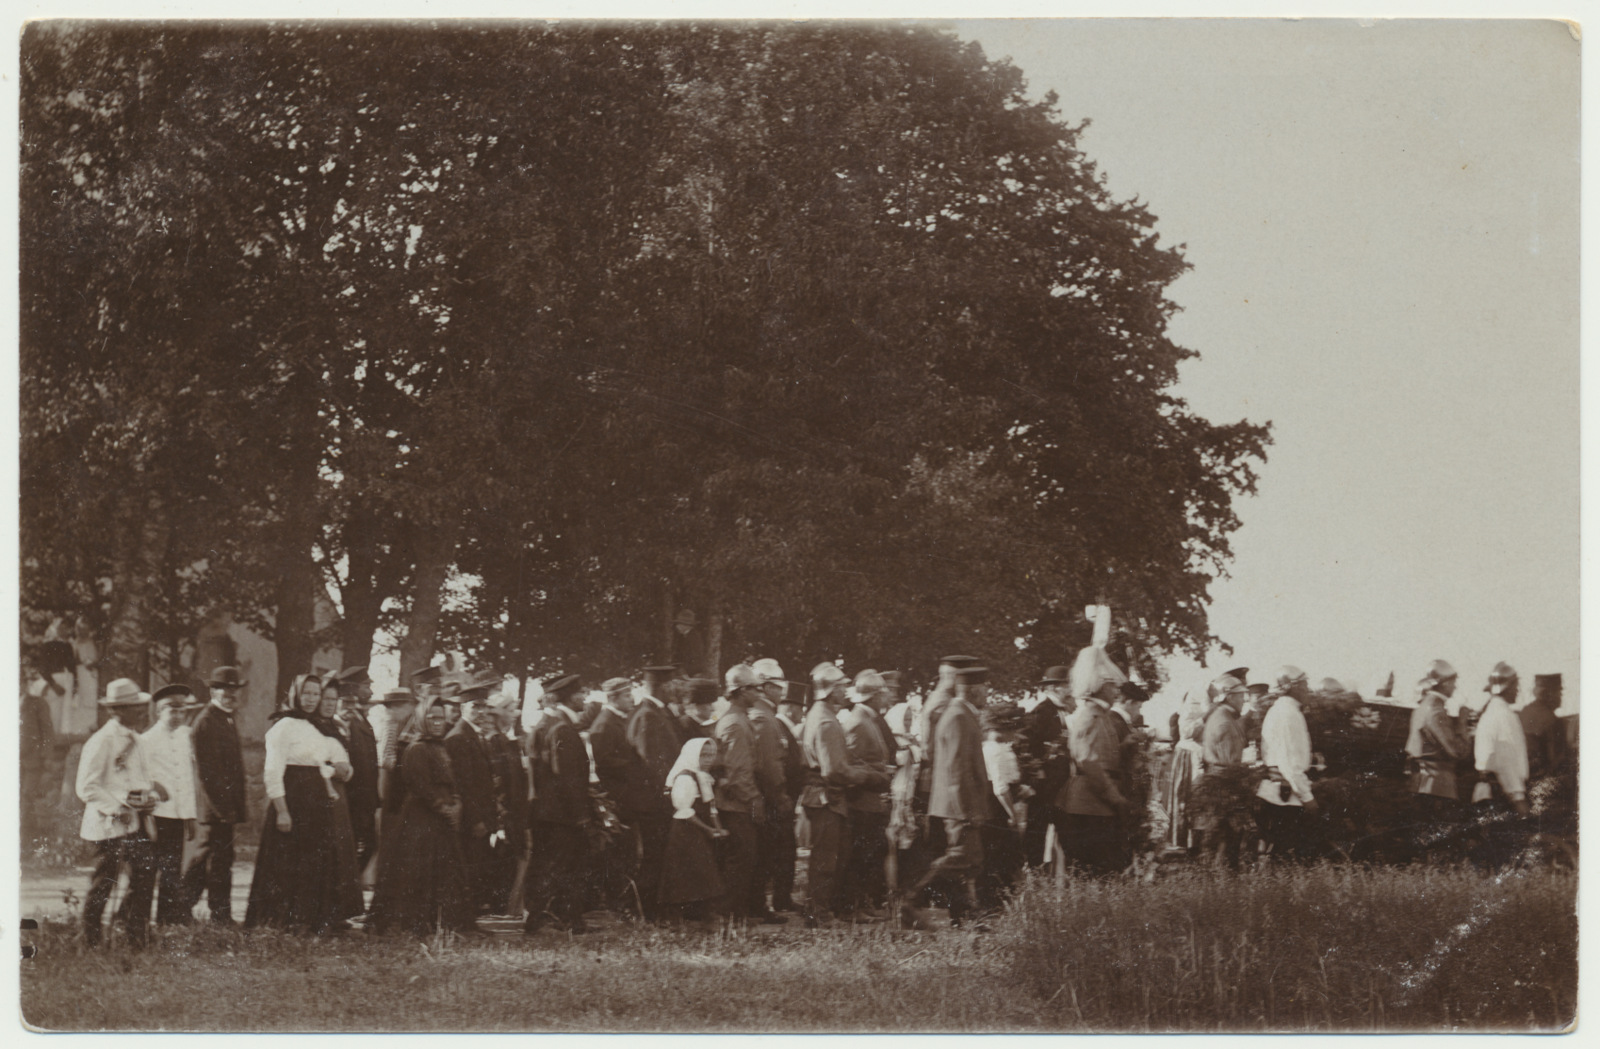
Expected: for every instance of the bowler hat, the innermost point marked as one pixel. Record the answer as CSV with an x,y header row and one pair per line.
x,y
1056,676
227,677
124,692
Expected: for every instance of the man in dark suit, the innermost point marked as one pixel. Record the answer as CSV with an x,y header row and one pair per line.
x,y
653,734
561,814
219,796
1044,740
779,829
511,781
468,748
355,695
623,777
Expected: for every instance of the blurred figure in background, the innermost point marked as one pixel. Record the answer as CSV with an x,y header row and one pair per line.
x,y
118,794
169,757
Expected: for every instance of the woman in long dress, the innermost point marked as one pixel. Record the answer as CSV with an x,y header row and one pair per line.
x,y
689,878
344,835
299,882
422,881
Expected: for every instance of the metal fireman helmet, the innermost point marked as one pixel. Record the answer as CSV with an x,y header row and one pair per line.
x,y
1438,673
1502,680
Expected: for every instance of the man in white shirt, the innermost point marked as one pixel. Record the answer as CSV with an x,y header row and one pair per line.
x,y
169,758
1286,750
118,795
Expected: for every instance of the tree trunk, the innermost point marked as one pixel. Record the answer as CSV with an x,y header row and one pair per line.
x,y
366,586
668,611
295,618
127,650
714,644
434,557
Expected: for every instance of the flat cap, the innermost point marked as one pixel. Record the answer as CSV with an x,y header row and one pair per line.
x,y
559,684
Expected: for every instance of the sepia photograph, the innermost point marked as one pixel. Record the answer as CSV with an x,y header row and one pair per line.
x,y
805,526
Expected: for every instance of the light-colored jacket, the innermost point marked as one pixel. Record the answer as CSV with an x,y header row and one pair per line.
x,y
169,758
960,789
1501,748
1286,750
864,739
112,764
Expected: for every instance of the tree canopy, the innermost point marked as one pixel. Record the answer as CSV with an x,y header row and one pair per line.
x,y
827,333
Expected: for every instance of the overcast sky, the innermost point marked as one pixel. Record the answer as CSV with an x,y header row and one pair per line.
x,y
1383,226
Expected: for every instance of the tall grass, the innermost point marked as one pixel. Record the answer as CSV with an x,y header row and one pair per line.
x,y
1321,948
1316,948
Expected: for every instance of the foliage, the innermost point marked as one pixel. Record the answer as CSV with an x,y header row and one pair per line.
x,y
801,326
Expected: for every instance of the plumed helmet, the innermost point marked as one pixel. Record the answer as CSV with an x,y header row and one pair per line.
x,y
1223,686
1092,669
1288,677
1502,680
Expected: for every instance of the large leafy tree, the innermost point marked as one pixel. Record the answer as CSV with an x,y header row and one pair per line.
x,y
825,332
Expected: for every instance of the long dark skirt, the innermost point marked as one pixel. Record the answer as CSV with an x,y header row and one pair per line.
x,y
422,881
689,865
351,902
300,882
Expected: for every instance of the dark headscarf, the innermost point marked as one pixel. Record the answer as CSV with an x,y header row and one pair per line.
x,y
292,710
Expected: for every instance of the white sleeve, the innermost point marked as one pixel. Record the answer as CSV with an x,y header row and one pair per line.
x,y
92,788
685,792
272,771
1295,745
335,751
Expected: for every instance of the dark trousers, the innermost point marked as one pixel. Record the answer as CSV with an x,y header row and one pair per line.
x,y
173,905
210,870
653,830
957,866
736,861
131,851
617,869
779,831
863,882
1002,863
364,825
1095,843
503,869
915,860
1041,817
1286,828
556,869
830,851
477,859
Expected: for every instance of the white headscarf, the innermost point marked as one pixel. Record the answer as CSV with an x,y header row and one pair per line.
x,y
689,761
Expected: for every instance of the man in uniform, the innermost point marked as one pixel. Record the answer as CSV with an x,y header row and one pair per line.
x,y
562,821
219,796
625,780
930,844
830,774
1286,800
1094,800
1542,728
653,734
355,696
959,797
1222,743
774,747
480,828
118,795
779,828
870,744
739,798
1436,749
169,759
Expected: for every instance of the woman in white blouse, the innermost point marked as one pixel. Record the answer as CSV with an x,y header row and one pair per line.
x,y
689,878
299,882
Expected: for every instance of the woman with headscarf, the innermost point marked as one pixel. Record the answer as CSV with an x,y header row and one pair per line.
x,y
689,878
299,881
344,836
422,880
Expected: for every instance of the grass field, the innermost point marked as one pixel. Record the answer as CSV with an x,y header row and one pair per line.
x,y
1311,949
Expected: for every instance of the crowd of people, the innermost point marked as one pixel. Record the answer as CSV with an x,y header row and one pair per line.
x,y
687,799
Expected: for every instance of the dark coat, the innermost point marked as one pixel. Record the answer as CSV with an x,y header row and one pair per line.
x,y
422,880
1043,739
960,788
474,777
505,757
219,768
362,745
689,728
656,738
794,762
622,772
560,771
